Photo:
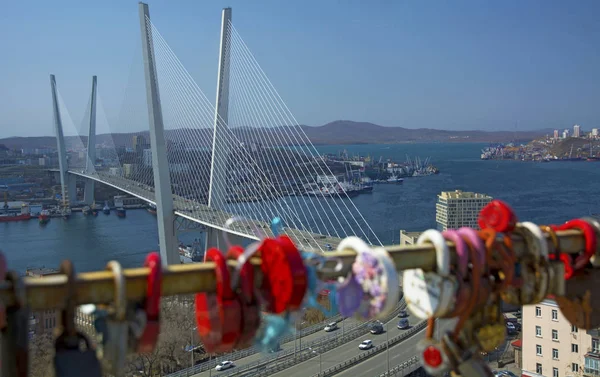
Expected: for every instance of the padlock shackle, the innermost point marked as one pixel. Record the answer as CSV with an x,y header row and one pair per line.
x,y
222,274
590,240
245,272
153,291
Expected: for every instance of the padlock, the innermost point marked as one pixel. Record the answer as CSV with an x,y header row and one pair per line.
x,y
145,327
593,221
117,327
218,315
70,359
464,291
15,336
497,215
538,248
284,276
492,332
580,293
433,357
430,294
467,362
248,302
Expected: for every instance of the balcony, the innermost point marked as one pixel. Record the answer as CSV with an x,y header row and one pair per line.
x,y
593,352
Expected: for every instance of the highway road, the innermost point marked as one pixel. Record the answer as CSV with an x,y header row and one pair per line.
x,y
344,352
300,343
399,353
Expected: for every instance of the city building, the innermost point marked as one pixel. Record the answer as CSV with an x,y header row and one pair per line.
x,y
553,347
555,134
408,238
129,170
565,134
595,132
455,209
576,131
147,158
140,143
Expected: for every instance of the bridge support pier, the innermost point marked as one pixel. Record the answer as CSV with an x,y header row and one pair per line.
x,y
60,140
72,189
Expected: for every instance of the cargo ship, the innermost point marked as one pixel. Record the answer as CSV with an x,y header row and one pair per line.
x,y
121,212
152,208
44,217
24,215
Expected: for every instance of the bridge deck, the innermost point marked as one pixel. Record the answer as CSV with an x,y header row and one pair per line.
x,y
211,217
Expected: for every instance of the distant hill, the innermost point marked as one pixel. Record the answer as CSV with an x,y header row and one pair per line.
x,y
338,132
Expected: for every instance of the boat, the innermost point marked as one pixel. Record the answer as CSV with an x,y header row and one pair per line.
x,y
106,208
65,212
121,212
395,179
152,208
94,209
191,253
7,216
86,210
44,217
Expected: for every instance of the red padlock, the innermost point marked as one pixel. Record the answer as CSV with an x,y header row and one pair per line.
x,y
218,315
497,215
248,302
590,245
284,281
149,337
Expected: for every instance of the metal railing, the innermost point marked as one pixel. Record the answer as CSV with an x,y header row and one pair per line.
x,y
323,345
199,368
372,352
403,369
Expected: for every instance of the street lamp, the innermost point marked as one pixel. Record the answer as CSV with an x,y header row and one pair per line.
x,y
320,363
387,345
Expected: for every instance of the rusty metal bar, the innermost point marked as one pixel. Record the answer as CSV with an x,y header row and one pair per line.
x,y
49,292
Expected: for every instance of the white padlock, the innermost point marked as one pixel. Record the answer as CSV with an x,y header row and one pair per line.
x,y
430,294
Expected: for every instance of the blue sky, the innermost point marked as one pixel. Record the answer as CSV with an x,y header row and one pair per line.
x,y
437,64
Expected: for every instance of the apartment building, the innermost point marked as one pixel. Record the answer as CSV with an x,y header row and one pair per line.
x,y
552,347
409,238
455,209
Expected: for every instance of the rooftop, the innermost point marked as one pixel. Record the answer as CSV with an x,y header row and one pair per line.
x,y
459,194
41,271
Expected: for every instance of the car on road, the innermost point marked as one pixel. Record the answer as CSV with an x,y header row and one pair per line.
x,y
402,314
403,324
504,373
331,326
510,328
377,328
365,345
275,348
224,365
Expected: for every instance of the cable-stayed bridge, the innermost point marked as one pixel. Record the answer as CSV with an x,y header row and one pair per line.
x,y
244,156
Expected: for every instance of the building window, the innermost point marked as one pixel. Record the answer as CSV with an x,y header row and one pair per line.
x,y
554,334
574,328
554,372
554,354
538,368
595,345
538,350
538,311
574,367
554,315
592,366
538,331
574,348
